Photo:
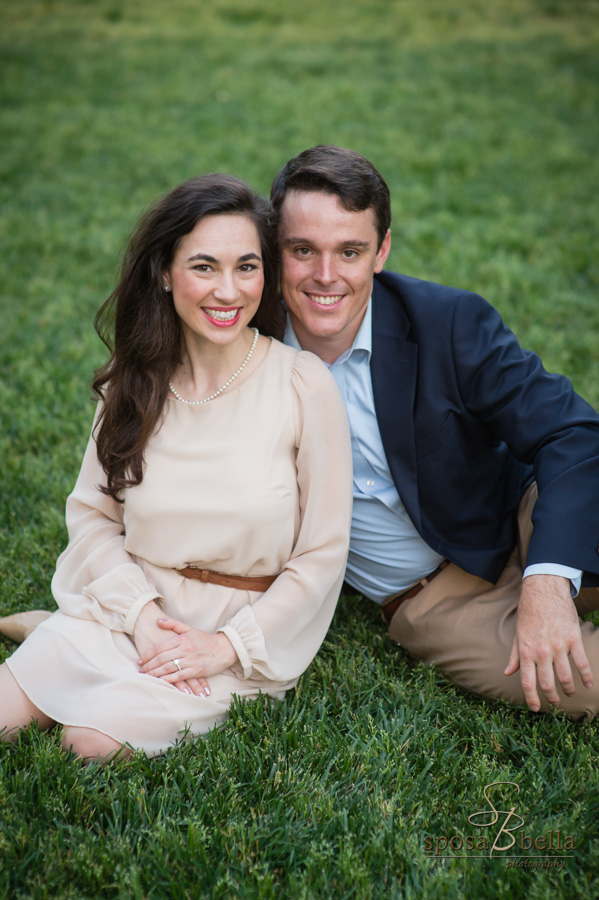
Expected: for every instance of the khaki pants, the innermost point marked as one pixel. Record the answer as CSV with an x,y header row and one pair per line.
x,y
466,625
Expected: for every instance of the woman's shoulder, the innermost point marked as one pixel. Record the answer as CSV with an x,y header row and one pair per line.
x,y
302,364
301,358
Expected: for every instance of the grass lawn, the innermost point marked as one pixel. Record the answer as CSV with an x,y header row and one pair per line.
x,y
483,118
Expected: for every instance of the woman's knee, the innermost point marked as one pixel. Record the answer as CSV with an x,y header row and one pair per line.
x,y
89,744
18,712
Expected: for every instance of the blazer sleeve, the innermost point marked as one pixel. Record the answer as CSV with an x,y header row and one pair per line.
x,y
543,421
281,632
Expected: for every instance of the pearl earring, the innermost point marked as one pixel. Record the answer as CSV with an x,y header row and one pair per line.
x,y
167,288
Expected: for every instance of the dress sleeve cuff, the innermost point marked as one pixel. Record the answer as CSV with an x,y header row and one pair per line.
x,y
134,611
245,662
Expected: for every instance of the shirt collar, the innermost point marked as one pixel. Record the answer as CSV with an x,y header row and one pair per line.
x,y
362,341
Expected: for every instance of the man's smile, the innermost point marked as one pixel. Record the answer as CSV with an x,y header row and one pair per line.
x,y
324,300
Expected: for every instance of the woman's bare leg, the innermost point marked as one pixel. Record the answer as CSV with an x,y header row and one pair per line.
x,y
91,745
17,710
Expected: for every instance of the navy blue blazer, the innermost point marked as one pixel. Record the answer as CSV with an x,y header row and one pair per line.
x,y
468,418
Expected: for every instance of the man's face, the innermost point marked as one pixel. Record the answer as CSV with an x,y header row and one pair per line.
x,y
329,256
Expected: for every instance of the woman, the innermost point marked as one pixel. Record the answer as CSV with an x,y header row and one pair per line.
x,y
209,525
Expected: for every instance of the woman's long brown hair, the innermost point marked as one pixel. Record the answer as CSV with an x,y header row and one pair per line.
x,y
139,325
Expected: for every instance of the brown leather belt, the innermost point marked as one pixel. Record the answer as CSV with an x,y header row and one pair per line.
x,y
390,606
240,582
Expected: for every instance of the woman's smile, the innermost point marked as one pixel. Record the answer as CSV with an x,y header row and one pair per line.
x,y
222,317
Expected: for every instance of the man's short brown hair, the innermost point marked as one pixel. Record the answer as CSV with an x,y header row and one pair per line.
x,y
336,170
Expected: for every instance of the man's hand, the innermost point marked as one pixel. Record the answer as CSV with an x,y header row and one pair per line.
x,y
200,653
147,633
547,633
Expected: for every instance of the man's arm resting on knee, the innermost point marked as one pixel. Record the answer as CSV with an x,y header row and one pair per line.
x,y
547,634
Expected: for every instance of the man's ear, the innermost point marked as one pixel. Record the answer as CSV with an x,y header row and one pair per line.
x,y
381,257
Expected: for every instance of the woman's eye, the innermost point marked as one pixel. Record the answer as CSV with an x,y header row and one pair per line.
x,y
247,267
202,267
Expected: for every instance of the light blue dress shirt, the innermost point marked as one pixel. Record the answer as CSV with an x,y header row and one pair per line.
x,y
386,553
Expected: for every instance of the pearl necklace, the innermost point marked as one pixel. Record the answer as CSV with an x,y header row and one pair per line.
x,y
225,385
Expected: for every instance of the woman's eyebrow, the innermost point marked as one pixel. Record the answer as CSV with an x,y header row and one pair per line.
x,y
203,256
206,258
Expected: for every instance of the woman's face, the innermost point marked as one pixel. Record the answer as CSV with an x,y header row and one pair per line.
x,y
217,278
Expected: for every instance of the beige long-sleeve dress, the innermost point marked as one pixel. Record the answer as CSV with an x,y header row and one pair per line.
x,y
255,482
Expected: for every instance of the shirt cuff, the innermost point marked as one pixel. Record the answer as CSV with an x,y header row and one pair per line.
x,y
574,575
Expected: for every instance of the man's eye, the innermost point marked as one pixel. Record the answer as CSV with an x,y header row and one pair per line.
x,y
303,251
349,254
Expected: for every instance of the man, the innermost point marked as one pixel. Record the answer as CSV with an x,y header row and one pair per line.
x,y
454,430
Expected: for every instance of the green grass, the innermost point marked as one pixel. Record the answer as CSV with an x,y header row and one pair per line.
x,y
483,119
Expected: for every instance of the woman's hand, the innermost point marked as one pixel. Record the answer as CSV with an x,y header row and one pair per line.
x,y
147,634
199,653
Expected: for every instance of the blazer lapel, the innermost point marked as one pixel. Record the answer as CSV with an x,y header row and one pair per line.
x,y
393,370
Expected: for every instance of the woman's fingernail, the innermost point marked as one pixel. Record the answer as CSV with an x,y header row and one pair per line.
x,y
139,662
186,691
207,691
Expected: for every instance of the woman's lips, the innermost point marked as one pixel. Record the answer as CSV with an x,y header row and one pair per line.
x,y
223,317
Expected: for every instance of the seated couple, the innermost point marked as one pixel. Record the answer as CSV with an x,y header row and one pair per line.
x,y
209,526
